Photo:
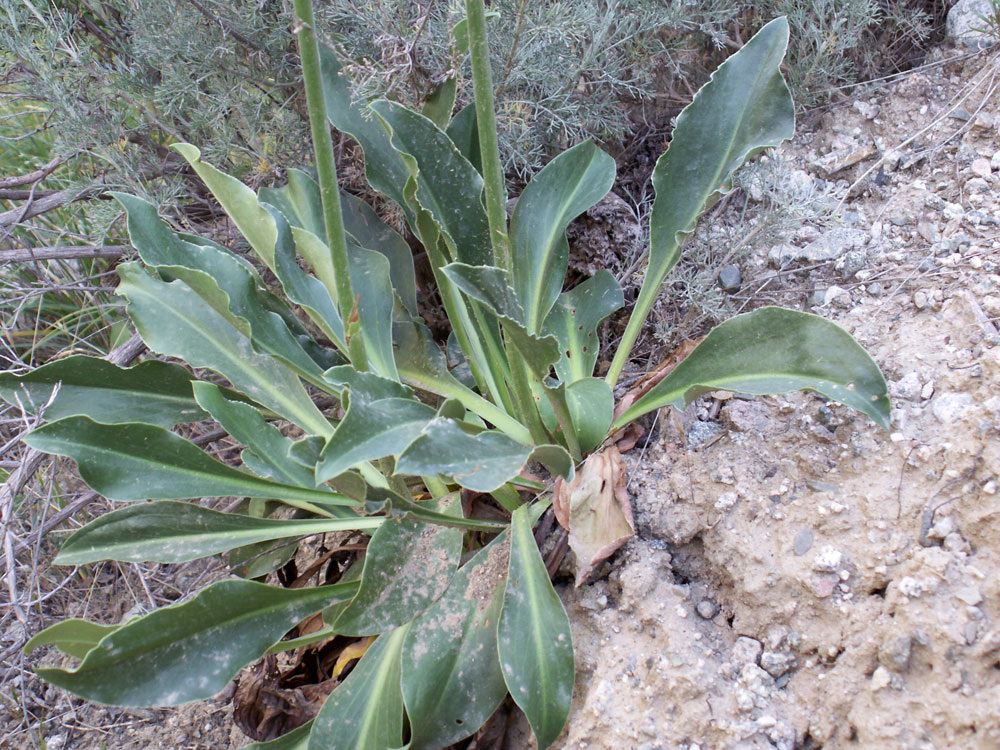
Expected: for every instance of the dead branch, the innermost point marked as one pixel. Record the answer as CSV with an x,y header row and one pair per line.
x,y
48,203
60,252
22,194
36,176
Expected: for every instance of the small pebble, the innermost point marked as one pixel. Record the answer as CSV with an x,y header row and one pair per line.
x,y
707,609
894,654
950,407
823,586
746,651
971,632
881,679
726,501
730,279
981,167
969,595
776,663
827,560
803,542
920,300
977,185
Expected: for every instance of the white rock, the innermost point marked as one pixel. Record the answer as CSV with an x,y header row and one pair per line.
x,y
911,587
746,651
881,679
951,407
827,560
977,184
907,387
868,111
964,17
726,501
970,596
839,296
981,168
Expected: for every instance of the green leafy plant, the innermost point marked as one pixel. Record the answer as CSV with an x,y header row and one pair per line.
x,y
414,421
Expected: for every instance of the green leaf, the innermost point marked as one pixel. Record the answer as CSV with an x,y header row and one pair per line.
x,y
458,363
373,279
573,320
297,739
422,364
568,185
129,462
534,638
489,285
307,291
556,459
257,560
400,507
451,676
239,202
370,279
224,281
153,392
773,350
480,462
190,651
447,185
365,712
245,424
366,386
370,232
299,201
384,167
73,637
439,105
171,532
173,320
540,353
744,108
591,405
372,430
408,566
463,133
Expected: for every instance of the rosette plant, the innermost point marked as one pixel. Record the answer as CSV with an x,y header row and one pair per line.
x,y
353,417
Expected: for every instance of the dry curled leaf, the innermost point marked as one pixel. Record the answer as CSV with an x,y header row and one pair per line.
x,y
270,701
595,509
645,384
264,709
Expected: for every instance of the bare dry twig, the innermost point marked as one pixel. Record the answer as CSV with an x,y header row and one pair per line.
x,y
60,252
37,175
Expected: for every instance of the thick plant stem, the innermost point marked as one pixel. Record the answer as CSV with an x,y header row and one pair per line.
x,y
482,82
326,167
647,296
